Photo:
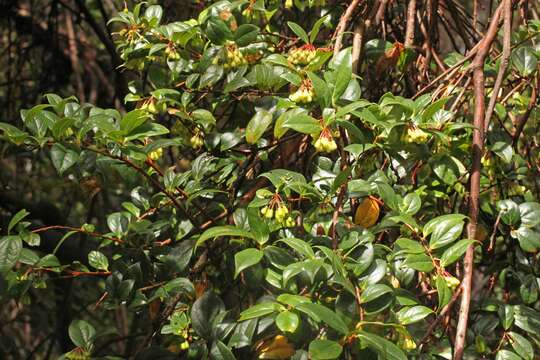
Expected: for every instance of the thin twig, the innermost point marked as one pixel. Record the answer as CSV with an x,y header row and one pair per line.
x,y
342,26
525,117
507,37
411,21
439,317
474,191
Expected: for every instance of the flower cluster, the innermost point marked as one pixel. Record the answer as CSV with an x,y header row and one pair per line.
x,y
304,94
325,142
276,209
303,55
415,135
232,58
196,140
171,52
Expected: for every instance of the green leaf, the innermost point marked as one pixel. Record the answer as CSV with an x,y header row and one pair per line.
x,y
225,230
386,349
257,226
410,246
204,312
321,313
528,289
297,29
444,292
529,240
527,319
211,76
343,77
118,223
300,246
322,349
279,129
521,345
431,109
506,355
246,34
444,230
506,315
13,134
246,258
205,118
10,251
509,211
280,177
287,321
97,260
154,13
217,31
16,219
447,168
454,253
524,61
504,150
258,125
220,351
410,315
316,27
63,158
530,214
82,334
373,292
259,310
419,262
303,123
410,204
133,120
322,90
292,300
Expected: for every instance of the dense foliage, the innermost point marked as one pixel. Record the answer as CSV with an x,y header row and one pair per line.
x,y
266,196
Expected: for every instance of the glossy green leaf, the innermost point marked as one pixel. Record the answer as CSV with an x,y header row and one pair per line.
x,y
63,158
246,34
373,292
444,230
297,29
82,334
287,321
257,126
524,60
321,313
386,349
259,310
322,349
245,259
454,252
16,219
411,315
98,260
300,246
506,355
303,123
225,230
10,250
521,345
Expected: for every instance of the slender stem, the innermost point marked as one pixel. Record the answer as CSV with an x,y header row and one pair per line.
x,y
507,37
474,190
342,26
411,17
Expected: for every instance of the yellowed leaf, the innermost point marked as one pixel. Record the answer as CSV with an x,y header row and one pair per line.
x,y
276,348
367,213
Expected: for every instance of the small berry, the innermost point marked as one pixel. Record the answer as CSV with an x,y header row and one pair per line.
x,y
156,154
